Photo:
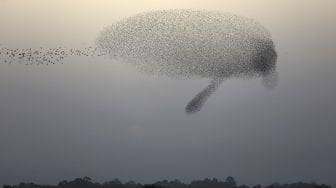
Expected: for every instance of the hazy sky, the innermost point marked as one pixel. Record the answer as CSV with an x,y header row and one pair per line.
x,y
97,117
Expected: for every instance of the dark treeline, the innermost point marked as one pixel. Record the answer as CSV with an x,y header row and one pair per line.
x,y
230,182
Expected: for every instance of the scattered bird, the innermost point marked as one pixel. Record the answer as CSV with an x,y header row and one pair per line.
x,y
44,56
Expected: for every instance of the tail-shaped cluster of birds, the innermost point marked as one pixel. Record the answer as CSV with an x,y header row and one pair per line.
x,y
45,56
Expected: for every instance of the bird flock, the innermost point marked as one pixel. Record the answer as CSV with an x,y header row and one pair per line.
x,y
193,44
179,44
189,43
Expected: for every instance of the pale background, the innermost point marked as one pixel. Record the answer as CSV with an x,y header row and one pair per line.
x,y
96,117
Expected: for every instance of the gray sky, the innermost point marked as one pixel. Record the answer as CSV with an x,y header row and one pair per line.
x,y
97,117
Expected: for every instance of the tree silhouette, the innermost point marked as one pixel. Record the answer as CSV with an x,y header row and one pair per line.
x,y
230,182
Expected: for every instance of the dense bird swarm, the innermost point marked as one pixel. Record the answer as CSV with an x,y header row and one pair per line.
x,y
178,44
193,44
187,43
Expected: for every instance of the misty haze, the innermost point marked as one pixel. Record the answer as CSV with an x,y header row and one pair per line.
x,y
167,94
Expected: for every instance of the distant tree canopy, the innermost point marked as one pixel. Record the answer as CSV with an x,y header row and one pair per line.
x,y
230,182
